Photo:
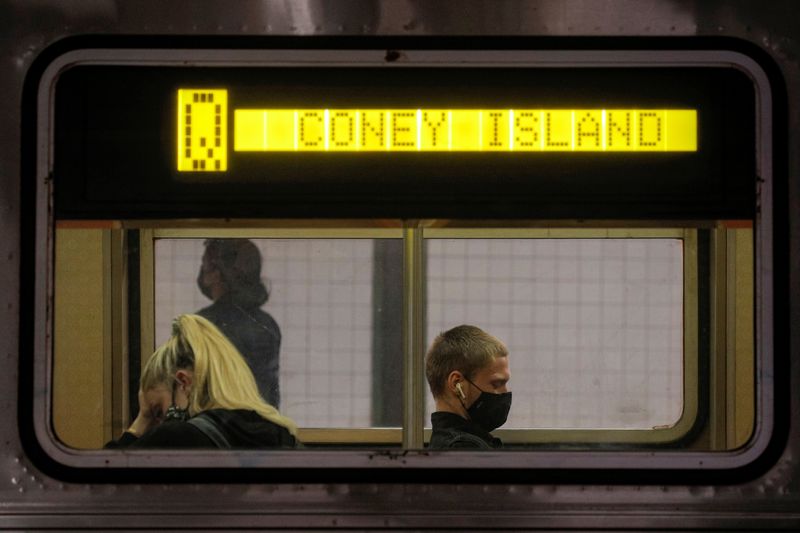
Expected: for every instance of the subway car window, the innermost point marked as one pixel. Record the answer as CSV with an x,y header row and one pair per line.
x,y
315,319
625,336
630,337
594,327
317,352
364,269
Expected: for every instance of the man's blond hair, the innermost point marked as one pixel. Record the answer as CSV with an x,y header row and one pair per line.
x,y
464,348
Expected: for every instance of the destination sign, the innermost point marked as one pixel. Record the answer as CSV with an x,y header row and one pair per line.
x,y
203,130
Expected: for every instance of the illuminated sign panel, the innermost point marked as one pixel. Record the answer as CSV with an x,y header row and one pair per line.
x,y
202,130
365,141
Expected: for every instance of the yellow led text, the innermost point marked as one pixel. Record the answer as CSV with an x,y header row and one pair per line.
x,y
202,130
466,130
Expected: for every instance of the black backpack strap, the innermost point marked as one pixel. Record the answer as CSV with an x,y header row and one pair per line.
x,y
211,430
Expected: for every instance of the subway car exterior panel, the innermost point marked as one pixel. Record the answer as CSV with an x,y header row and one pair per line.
x,y
711,85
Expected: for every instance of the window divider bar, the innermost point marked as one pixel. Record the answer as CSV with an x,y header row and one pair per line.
x,y
413,335
147,294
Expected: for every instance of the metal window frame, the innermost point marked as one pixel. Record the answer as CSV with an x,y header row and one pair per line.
x,y
356,459
691,388
414,434
311,229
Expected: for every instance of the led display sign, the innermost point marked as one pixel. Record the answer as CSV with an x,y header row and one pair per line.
x,y
203,130
410,142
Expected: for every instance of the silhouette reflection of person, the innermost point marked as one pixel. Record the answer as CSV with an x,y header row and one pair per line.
x,y
230,275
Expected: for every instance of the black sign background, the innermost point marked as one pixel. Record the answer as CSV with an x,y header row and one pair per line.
x,y
115,146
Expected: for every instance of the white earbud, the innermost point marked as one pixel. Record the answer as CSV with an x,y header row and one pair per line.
x,y
460,392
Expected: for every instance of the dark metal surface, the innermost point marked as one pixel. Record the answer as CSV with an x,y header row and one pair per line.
x,y
30,499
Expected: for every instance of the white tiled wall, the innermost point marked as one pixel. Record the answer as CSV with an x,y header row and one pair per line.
x,y
594,326
322,300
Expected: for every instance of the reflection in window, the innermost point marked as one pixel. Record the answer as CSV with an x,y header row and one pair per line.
x,y
594,327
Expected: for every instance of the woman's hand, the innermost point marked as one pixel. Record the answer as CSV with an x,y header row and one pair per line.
x,y
145,420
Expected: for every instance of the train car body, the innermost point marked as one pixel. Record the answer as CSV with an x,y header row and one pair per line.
x,y
609,134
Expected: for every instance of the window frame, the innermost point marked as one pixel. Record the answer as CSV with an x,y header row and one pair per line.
x,y
393,435
314,230
686,424
42,323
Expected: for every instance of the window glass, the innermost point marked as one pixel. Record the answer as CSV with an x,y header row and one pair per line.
x,y
322,301
622,338
594,327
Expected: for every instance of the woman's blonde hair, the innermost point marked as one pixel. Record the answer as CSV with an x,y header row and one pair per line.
x,y
221,377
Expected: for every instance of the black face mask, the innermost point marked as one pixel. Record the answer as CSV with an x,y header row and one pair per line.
x,y
490,410
176,413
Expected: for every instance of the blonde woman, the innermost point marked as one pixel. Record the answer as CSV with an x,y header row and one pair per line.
x,y
196,391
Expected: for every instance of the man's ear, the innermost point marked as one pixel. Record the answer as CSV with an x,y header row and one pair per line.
x,y
185,378
455,377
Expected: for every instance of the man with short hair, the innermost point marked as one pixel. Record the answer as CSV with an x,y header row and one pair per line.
x,y
467,370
